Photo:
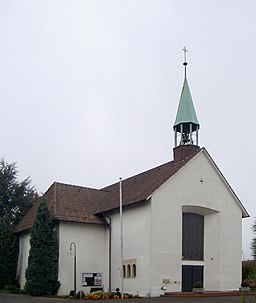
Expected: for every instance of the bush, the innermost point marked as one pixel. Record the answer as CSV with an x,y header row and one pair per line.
x,y
248,270
109,295
198,284
252,284
71,293
245,283
128,296
118,294
42,271
12,289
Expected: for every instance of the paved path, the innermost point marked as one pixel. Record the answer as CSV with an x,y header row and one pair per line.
x,y
9,298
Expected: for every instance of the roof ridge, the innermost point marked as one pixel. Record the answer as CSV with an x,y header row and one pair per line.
x,y
138,174
55,197
161,173
151,169
77,186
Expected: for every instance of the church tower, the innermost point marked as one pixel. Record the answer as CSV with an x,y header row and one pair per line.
x,y
186,125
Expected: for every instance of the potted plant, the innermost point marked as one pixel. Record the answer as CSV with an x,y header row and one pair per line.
x,y
245,285
198,287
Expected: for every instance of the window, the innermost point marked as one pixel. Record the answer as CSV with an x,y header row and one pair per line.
x,y
129,268
128,271
192,236
124,271
134,270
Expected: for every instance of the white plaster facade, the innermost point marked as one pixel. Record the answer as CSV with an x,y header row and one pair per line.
x,y
24,247
137,245
153,232
153,236
91,254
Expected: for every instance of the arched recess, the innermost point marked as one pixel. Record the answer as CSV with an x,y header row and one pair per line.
x,y
200,210
193,231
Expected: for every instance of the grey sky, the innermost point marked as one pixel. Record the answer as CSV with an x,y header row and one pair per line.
x,y
89,89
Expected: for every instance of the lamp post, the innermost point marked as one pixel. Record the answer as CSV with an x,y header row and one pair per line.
x,y
72,248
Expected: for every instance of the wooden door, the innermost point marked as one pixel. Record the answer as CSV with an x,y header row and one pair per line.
x,y
190,275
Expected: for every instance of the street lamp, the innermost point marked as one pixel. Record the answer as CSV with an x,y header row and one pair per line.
x,y
72,249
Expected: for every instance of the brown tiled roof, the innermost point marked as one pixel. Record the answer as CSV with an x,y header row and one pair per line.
x,y
138,188
67,203
81,204
27,221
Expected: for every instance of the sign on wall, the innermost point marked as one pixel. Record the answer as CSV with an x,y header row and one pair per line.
x,y
92,279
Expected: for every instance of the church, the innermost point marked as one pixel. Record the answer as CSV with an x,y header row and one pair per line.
x,y
159,231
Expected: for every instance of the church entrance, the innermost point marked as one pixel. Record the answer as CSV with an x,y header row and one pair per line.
x,y
192,249
190,275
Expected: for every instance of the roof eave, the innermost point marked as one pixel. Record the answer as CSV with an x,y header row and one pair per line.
x,y
125,206
245,214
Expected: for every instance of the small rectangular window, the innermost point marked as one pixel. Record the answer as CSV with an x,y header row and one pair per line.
x,y
128,271
134,273
124,271
129,268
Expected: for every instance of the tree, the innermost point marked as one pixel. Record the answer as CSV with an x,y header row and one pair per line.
x,y
42,270
8,256
253,243
15,200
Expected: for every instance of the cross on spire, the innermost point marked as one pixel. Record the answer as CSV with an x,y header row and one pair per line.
x,y
185,60
185,54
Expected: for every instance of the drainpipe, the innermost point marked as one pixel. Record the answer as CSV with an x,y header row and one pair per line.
x,y
108,223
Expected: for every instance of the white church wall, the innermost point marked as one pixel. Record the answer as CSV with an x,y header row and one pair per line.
x,y
166,239
24,247
196,186
223,238
92,254
231,250
212,257
137,246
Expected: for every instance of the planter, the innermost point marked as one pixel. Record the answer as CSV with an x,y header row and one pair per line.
x,y
244,288
198,290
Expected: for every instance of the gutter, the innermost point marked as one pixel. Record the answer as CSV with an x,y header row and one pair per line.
x,y
107,219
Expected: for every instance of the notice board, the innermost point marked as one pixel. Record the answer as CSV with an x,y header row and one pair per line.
x,y
92,279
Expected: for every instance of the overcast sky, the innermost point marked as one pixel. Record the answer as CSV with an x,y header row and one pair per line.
x,y
89,89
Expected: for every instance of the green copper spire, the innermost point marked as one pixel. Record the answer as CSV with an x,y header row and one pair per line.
x,y
186,112
186,122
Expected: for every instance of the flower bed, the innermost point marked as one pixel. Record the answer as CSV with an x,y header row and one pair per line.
x,y
107,295
249,283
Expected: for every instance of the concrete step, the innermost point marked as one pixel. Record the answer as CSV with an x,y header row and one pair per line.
x,y
208,294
